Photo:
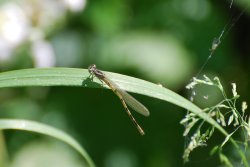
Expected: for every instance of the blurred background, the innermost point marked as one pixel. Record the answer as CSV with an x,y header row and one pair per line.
x,y
163,41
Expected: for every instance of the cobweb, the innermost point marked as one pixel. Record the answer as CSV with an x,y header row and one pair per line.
x,y
217,41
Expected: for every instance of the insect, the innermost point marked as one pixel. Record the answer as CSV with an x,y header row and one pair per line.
x,y
125,98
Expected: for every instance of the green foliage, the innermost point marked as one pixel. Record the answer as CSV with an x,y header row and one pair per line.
x,y
163,41
36,127
225,113
80,77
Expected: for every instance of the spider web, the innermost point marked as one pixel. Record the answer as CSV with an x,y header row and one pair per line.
x,y
217,41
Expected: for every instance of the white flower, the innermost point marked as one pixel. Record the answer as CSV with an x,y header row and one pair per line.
x,y
43,54
75,5
14,28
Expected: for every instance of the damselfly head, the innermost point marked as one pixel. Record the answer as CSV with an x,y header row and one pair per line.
x,y
92,68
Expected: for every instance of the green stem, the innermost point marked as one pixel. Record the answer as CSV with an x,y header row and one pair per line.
x,y
243,157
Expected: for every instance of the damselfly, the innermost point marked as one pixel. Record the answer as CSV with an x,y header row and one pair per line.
x,y
124,97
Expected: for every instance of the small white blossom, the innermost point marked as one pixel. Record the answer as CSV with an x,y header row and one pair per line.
x,y
244,106
234,90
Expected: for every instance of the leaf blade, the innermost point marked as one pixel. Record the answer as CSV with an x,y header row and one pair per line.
x,y
80,77
36,127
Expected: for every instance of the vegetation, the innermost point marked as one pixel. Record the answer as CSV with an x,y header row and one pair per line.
x,y
46,46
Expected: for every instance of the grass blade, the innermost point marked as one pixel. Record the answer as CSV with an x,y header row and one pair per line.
x,y
80,77
32,126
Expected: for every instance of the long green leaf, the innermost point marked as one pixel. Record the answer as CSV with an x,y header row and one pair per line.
x,y
32,126
80,77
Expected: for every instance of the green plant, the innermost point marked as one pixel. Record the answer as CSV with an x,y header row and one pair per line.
x,y
80,77
225,113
